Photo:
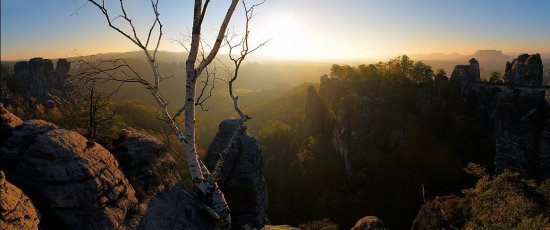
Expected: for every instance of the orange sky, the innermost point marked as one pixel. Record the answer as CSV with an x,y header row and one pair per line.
x,y
305,29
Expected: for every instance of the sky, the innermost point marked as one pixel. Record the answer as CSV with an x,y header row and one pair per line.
x,y
296,29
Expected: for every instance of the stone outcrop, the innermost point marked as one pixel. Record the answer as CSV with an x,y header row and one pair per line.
x,y
75,183
175,208
316,115
37,78
467,74
356,123
242,180
521,139
525,70
146,163
78,184
62,67
13,148
8,121
446,212
369,223
16,210
517,114
544,152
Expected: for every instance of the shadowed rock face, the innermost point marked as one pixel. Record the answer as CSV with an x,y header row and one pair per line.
x,y
316,115
526,70
8,121
146,163
75,183
521,135
175,208
14,147
369,223
242,182
467,74
37,78
16,210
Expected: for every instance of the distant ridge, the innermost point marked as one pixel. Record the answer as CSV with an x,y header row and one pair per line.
x,y
491,59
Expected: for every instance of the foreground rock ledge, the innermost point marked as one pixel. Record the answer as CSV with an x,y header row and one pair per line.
x,y
16,209
75,183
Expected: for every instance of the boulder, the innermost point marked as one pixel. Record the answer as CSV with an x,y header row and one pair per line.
x,y
242,180
16,210
146,163
8,121
175,208
75,183
369,223
13,148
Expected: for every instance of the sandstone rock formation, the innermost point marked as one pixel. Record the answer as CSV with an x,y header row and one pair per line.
x,y
16,210
175,208
37,78
146,163
525,70
316,115
467,74
544,151
520,136
369,223
16,144
242,180
75,183
8,121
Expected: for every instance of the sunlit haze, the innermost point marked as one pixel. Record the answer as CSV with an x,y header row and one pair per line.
x,y
302,30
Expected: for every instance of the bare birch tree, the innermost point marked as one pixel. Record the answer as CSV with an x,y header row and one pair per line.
x,y
194,66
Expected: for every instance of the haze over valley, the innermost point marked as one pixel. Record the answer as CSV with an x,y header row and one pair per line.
x,y
274,115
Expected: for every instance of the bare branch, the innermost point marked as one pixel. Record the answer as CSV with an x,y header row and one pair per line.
x,y
237,61
220,37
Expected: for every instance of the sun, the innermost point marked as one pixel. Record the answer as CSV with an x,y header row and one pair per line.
x,y
288,37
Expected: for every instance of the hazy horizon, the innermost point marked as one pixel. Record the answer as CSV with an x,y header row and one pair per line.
x,y
298,30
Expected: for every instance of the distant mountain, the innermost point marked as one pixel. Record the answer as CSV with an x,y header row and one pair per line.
x,y
491,59
438,57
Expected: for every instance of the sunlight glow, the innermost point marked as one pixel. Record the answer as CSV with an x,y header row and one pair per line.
x,y
288,37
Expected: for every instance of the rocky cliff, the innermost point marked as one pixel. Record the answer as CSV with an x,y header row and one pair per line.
x,y
242,180
37,82
390,130
467,74
62,180
524,70
38,77
16,209
316,120
74,182
518,118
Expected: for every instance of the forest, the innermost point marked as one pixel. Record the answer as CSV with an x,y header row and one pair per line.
x,y
274,115
413,135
